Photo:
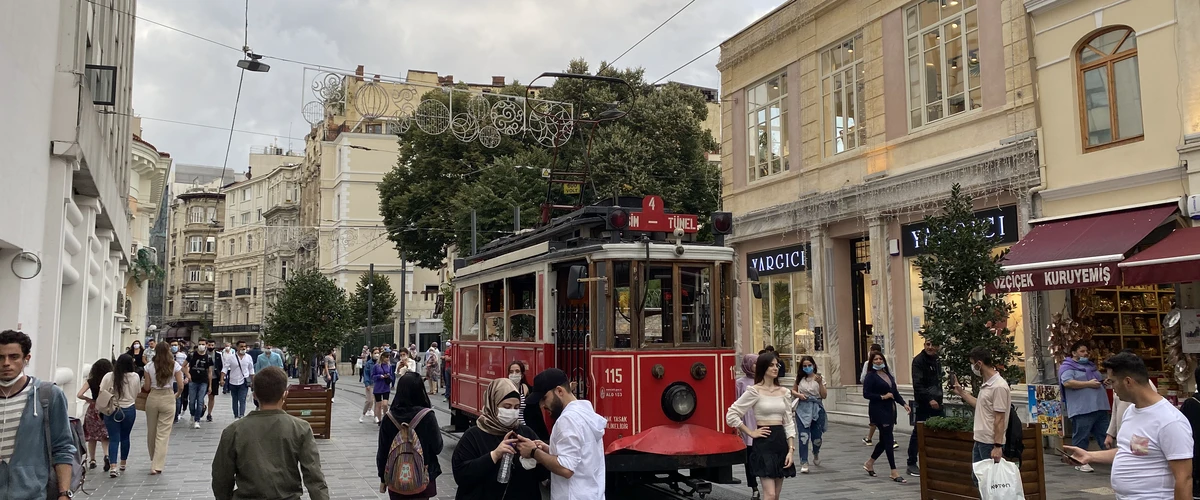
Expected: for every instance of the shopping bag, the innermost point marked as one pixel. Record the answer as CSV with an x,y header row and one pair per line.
x,y
998,480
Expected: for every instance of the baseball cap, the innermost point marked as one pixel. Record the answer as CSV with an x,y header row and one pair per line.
x,y
546,382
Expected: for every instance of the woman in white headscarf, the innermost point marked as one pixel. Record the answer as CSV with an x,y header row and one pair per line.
x,y
433,370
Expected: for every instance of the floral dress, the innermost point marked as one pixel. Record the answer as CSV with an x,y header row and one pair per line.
x,y
93,423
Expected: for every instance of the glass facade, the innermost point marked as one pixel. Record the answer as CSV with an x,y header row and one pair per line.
x,y
781,317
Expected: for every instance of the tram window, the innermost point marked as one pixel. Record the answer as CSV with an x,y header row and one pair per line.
x,y
622,300
522,292
695,296
658,307
469,328
524,328
493,297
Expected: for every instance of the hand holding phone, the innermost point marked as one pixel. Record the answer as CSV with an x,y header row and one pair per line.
x,y
1073,455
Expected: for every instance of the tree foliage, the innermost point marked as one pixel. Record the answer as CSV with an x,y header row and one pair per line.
x,y
145,268
659,147
959,316
383,301
311,316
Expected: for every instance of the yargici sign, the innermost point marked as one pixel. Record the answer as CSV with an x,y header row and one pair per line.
x,y
1059,278
779,261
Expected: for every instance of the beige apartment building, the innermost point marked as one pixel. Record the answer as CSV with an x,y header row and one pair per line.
x,y
844,124
191,263
270,185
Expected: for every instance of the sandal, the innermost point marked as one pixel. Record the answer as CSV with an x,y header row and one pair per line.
x,y
869,471
107,465
900,479
113,473
92,465
155,472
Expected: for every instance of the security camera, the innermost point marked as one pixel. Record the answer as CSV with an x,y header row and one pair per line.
x,y
679,249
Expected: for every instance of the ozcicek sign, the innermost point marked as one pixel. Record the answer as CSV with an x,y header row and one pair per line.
x,y
1003,230
779,261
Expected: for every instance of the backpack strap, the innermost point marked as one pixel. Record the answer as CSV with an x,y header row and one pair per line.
x,y
393,419
44,392
418,417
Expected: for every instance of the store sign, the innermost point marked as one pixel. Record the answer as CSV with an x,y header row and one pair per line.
x,y
1003,230
779,261
1060,278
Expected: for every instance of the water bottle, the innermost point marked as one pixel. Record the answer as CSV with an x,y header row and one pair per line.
x,y
505,469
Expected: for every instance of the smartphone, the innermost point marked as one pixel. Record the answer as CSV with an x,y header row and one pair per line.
x,y
1068,456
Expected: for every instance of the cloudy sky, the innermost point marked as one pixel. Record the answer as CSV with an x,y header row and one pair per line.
x,y
181,78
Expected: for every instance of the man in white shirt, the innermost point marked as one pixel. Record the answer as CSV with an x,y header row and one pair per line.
x,y
237,374
575,454
991,408
1153,457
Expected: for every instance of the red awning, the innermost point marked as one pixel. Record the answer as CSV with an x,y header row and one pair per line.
x,y
1175,259
1077,252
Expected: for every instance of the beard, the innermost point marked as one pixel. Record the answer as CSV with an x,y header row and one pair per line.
x,y
556,407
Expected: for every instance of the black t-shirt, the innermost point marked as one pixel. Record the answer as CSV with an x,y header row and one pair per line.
x,y
199,364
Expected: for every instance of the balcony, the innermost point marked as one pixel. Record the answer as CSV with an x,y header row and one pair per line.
x,y
224,294
236,328
241,291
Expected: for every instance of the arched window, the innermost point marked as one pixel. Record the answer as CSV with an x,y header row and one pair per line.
x,y
1109,91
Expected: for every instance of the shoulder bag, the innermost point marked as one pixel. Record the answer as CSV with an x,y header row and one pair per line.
x,y
106,401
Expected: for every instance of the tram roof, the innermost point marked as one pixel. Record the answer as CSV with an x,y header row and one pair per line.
x,y
586,216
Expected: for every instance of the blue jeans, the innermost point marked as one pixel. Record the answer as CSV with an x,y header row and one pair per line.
x,y
811,434
238,393
197,391
118,432
1094,424
981,451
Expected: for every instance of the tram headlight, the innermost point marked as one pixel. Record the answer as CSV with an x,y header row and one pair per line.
x,y
679,401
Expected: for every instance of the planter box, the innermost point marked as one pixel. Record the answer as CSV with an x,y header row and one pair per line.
x,y
945,460
313,404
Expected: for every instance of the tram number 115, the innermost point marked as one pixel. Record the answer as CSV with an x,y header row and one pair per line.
x,y
613,375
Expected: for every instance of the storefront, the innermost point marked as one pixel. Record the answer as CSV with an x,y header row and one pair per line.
x,y
783,316
1003,233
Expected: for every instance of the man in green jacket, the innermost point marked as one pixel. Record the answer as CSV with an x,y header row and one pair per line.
x,y
259,453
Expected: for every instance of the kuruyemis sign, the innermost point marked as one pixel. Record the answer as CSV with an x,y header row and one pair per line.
x,y
1059,278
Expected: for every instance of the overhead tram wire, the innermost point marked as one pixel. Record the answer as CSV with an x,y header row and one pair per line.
x,y
238,99
697,58
156,23
639,42
200,125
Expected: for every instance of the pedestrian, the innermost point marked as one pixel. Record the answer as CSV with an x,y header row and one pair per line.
x,y
927,396
331,372
866,368
94,429
181,357
356,370
404,364
575,454
446,358
745,382
148,354
121,387
268,454
162,376
217,359
991,408
1191,411
433,368
368,384
200,371
135,350
880,388
411,406
31,464
516,375
1153,457
1085,397
775,435
479,456
254,353
238,375
381,377
809,407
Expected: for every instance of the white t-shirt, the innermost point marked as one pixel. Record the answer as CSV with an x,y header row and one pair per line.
x,y
154,379
1149,437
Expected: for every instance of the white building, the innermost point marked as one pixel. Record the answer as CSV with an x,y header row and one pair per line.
x,y
147,183
67,90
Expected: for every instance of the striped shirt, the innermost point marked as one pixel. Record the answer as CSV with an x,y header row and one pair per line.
x,y
11,409
521,415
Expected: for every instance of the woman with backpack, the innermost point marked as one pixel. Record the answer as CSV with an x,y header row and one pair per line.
x,y
94,430
410,409
482,451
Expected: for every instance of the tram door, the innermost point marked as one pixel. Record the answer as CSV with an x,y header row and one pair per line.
x,y
572,328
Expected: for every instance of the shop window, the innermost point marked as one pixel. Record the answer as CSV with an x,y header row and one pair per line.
x,y
781,316
942,46
1126,318
766,121
842,96
1109,90
658,307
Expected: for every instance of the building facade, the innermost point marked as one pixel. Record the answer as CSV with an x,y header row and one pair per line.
x,y
845,123
64,239
191,263
147,185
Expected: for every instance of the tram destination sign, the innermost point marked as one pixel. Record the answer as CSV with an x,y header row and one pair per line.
x,y
779,261
1003,230
652,219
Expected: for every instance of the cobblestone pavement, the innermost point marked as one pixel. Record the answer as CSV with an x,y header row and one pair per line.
x,y
349,463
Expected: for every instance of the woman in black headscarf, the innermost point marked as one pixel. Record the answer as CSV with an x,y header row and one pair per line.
x,y
481,451
409,400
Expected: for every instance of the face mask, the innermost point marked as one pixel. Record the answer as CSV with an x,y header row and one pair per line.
x,y
201,349
174,348
1083,359
242,351
375,357
975,370
10,383
878,367
808,370
516,379
137,346
507,416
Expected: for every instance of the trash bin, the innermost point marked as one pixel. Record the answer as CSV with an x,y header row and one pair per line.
x,y
313,404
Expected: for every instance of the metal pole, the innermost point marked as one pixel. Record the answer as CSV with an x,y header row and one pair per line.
x,y
516,219
370,302
472,232
403,299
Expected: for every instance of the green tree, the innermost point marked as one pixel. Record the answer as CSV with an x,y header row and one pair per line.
x,y
144,268
383,301
959,316
311,316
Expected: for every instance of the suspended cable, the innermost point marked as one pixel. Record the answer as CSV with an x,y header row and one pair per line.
x,y
697,58
639,42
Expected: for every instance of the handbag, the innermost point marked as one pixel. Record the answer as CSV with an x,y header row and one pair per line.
x,y
106,402
140,402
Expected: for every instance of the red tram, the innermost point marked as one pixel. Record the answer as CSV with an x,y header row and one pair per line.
x,y
638,314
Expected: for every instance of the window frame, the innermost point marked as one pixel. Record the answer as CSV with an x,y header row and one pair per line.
x,y
1110,62
753,109
827,121
196,215
637,290
968,104
196,244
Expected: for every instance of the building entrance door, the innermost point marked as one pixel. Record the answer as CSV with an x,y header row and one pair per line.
x,y
860,286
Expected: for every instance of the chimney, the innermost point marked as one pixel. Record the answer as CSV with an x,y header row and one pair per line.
x,y
377,78
497,81
358,73
447,80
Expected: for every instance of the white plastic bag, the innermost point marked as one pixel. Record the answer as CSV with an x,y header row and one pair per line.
x,y
998,480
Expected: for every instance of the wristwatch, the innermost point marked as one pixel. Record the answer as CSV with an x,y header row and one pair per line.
x,y
68,494
998,445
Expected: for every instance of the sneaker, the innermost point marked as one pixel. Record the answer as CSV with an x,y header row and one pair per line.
x,y
816,461
331,400
208,418
196,425
107,464
895,446
914,471
1085,468
755,495
361,417
376,420
867,442
804,468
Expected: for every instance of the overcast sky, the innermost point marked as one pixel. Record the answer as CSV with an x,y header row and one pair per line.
x,y
181,78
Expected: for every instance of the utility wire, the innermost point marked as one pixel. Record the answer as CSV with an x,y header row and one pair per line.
x,y
156,23
200,125
697,58
238,99
639,42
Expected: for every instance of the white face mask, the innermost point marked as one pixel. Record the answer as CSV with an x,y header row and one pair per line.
x,y
516,379
10,383
201,349
975,369
507,416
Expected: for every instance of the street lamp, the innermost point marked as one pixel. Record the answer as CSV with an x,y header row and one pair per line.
x,y
252,62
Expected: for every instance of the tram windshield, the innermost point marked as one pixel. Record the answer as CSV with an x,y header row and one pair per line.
x,y
665,304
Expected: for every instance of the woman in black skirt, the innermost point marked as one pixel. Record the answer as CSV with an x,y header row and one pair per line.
x,y
775,436
879,387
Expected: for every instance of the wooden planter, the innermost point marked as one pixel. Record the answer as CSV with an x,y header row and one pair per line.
x,y
945,460
313,404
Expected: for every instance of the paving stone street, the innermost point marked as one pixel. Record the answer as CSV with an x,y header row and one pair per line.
x,y
348,459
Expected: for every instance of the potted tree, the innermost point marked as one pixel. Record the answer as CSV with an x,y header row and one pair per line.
x,y
959,316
